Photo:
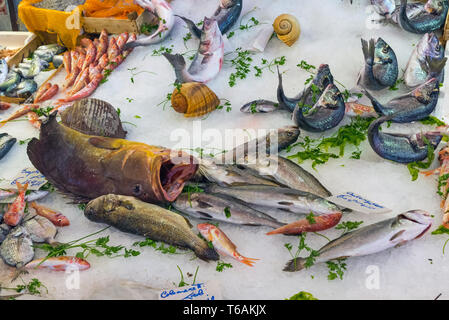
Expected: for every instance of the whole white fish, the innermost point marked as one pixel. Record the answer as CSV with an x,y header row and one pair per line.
x,y
371,239
166,21
426,61
208,60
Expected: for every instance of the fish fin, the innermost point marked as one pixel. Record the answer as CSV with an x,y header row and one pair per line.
x,y
104,143
434,66
296,264
400,244
179,64
248,261
396,235
368,49
191,25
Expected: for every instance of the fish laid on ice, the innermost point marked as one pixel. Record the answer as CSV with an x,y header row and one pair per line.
x,y
260,106
90,166
317,223
401,148
222,208
40,229
6,143
166,18
4,69
15,212
131,215
226,15
208,60
57,218
426,61
381,65
222,243
17,249
62,263
371,239
413,106
423,22
19,113
12,79
284,199
326,113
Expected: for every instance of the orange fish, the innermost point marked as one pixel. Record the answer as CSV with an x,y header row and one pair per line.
x,y
320,223
57,218
50,93
33,118
59,264
19,113
222,243
15,212
41,91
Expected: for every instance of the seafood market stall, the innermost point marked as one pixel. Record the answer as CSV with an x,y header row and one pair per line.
x,y
268,250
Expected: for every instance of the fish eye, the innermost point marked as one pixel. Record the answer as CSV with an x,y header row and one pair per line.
x,y
137,190
385,50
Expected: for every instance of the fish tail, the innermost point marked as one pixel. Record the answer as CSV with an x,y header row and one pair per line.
x,y
191,25
296,264
206,253
178,63
248,261
19,271
130,45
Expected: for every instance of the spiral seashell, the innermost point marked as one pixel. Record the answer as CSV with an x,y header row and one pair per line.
x,y
287,28
194,99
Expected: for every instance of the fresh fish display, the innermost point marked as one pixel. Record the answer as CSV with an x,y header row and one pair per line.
x,y
222,208
62,263
413,106
48,94
8,196
3,70
40,229
25,88
260,106
401,148
272,143
229,175
36,195
412,10
226,15
320,223
208,60
6,143
371,239
37,65
94,117
15,212
381,65
57,218
284,199
308,97
131,215
57,61
12,78
166,18
19,113
222,243
288,173
326,114
423,23
17,249
426,61
90,166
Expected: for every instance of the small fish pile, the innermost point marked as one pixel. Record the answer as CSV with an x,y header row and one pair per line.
x,y
19,81
431,18
371,239
20,229
208,60
131,215
6,143
88,64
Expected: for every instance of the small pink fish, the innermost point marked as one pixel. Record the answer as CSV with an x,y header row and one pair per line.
x,y
91,53
59,264
19,113
57,218
33,118
41,91
323,222
121,40
222,243
50,93
15,212
85,92
102,47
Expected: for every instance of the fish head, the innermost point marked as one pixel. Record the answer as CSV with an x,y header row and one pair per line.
x,y
425,92
383,53
101,207
331,97
226,4
435,6
211,37
430,46
323,77
434,137
208,231
414,223
287,135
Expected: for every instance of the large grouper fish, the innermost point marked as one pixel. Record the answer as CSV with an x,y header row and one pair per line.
x,y
87,167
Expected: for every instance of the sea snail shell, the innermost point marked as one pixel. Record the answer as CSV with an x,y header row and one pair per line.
x,y
287,28
194,99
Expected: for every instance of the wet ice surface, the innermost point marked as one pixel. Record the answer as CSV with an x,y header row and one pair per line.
x,y
331,32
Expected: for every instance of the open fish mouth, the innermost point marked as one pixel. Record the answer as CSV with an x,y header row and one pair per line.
x,y
173,175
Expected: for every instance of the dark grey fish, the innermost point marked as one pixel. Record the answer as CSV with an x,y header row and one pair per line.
x,y
326,114
413,106
222,208
423,23
26,88
226,15
131,215
17,249
381,65
311,94
260,106
401,148
6,143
